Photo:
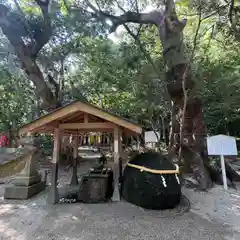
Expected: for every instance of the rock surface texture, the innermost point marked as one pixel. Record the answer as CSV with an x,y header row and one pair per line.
x,y
151,190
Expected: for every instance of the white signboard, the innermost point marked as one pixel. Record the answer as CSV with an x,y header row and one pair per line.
x,y
151,137
221,145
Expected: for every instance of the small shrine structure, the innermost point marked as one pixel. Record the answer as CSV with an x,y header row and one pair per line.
x,y
75,119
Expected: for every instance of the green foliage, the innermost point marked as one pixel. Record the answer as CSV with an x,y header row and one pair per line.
x,y
16,100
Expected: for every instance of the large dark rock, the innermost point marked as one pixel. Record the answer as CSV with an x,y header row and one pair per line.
x,y
151,190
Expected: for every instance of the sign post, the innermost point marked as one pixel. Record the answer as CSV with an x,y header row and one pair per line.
x,y
224,146
224,173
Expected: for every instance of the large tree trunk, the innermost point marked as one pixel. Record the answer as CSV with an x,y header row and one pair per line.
x,y
187,111
193,131
188,130
43,89
16,28
187,116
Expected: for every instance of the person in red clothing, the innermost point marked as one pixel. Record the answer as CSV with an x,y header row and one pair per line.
x,y
3,140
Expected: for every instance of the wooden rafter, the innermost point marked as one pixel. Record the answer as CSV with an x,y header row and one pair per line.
x,y
76,117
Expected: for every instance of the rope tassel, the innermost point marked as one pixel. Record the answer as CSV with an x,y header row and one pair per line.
x,y
164,181
177,178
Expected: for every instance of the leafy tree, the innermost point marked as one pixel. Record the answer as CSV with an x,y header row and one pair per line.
x,y
17,102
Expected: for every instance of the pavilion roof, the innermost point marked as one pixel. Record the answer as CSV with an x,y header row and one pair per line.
x,y
77,117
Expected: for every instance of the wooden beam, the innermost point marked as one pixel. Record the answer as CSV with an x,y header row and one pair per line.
x,y
138,142
85,118
74,180
116,138
53,192
66,132
104,125
116,145
109,117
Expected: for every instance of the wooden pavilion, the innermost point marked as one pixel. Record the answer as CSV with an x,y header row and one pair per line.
x,y
77,118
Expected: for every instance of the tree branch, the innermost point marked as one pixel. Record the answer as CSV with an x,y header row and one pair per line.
x,y
134,17
45,32
126,17
230,13
119,6
170,9
25,21
14,29
138,42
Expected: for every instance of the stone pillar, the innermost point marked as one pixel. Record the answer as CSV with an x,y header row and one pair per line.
x,y
74,180
53,196
28,182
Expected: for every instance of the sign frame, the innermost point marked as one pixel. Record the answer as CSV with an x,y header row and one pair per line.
x,y
222,145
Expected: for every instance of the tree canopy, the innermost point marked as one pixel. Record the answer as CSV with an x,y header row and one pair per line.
x,y
54,52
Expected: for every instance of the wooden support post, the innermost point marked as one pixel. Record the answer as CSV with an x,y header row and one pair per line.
x,y
138,143
99,138
53,196
120,162
74,180
116,154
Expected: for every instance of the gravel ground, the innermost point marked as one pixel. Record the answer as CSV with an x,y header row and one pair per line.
x,y
214,216
33,219
218,206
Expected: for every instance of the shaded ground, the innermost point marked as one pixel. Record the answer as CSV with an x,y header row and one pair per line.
x,y
29,220
217,205
214,216
34,219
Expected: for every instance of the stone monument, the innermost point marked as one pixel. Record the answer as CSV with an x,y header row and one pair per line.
x,y
28,182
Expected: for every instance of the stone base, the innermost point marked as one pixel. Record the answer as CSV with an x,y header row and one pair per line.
x,y
23,192
22,180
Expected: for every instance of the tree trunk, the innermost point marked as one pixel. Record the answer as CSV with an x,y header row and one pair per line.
x,y
188,129
190,118
43,90
163,130
16,30
61,81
